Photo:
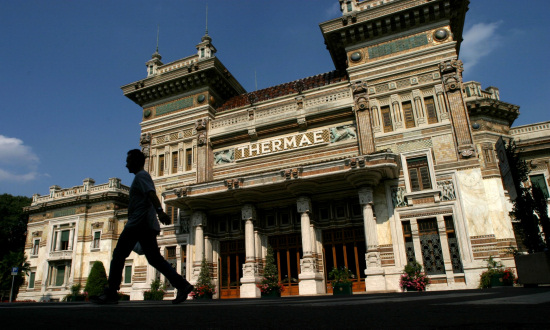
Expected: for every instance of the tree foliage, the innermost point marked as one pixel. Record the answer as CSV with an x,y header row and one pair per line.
x,y
530,206
97,280
13,228
204,284
270,280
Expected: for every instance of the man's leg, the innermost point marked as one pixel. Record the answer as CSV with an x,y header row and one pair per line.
x,y
150,247
124,246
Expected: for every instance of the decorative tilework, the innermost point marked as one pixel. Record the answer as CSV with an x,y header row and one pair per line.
x,y
398,46
174,106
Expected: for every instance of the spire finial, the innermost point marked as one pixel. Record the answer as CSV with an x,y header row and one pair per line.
x,y
206,32
158,30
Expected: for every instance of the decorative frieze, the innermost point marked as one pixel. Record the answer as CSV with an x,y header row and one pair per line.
x,y
447,190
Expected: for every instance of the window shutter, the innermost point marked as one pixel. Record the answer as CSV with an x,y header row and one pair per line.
x,y
430,109
386,118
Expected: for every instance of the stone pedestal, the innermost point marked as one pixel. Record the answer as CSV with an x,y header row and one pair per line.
x,y
311,281
375,280
249,281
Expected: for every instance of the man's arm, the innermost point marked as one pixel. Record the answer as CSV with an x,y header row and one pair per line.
x,y
163,217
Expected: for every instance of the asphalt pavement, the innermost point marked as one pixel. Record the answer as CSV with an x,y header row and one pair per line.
x,y
497,308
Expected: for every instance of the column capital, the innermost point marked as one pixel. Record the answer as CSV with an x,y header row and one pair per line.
x,y
248,212
198,218
303,204
366,195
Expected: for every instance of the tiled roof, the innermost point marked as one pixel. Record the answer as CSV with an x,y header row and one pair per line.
x,y
284,89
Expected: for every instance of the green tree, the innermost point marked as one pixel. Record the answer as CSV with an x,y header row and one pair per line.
x,y
97,280
527,208
13,228
270,280
12,259
204,284
156,292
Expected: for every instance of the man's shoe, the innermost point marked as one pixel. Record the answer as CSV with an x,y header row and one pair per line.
x,y
182,294
105,299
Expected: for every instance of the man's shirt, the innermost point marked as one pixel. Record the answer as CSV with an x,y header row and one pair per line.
x,y
140,208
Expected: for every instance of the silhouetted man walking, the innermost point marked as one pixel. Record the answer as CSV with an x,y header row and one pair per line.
x,y
142,227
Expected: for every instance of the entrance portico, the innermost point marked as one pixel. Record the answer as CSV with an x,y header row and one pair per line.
x,y
259,206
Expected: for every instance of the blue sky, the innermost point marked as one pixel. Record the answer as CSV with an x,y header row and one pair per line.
x,y
64,117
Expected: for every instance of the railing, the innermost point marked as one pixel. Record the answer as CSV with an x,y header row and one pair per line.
x,y
530,128
79,191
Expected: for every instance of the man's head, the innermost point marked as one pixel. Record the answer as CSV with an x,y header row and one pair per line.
x,y
135,161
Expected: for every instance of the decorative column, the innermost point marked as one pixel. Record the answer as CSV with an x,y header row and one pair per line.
x,y
311,280
443,114
375,275
364,118
420,114
198,220
250,267
451,76
447,259
396,109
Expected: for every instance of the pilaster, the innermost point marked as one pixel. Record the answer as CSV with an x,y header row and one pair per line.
x,y
311,280
250,267
374,274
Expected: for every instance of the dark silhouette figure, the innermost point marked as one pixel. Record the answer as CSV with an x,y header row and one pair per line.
x,y
142,227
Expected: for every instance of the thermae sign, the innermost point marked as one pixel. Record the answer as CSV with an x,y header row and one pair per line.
x,y
286,143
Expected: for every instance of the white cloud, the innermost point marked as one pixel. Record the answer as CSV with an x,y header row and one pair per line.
x,y
479,41
18,163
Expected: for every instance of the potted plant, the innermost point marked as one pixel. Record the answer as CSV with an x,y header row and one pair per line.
x,y
269,285
496,275
341,281
155,293
414,279
204,289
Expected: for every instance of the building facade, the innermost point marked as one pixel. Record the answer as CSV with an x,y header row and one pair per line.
x,y
369,166
70,229
388,159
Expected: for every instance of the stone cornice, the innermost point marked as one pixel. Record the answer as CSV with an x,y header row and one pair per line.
x,y
389,19
341,174
184,79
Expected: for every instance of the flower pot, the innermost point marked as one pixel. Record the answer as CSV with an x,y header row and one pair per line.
x,y
271,295
496,279
206,296
342,289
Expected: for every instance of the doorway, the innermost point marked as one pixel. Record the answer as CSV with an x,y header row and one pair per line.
x,y
345,247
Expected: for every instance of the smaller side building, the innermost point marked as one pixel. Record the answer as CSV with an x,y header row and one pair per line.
x,y
70,229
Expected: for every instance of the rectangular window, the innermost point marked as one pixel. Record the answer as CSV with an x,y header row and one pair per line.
x,y
128,274
386,118
35,247
488,156
97,239
174,162
430,109
170,252
31,280
65,240
188,160
409,115
432,255
60,275
419,173
539,181
172,213
161,165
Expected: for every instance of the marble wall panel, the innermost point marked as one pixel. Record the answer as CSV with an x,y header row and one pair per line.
x,y
382,216
474,202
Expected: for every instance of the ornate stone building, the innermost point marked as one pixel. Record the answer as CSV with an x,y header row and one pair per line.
x,y
385,160
369,166
70,229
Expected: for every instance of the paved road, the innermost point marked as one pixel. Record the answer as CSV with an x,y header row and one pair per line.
x,y
499,308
